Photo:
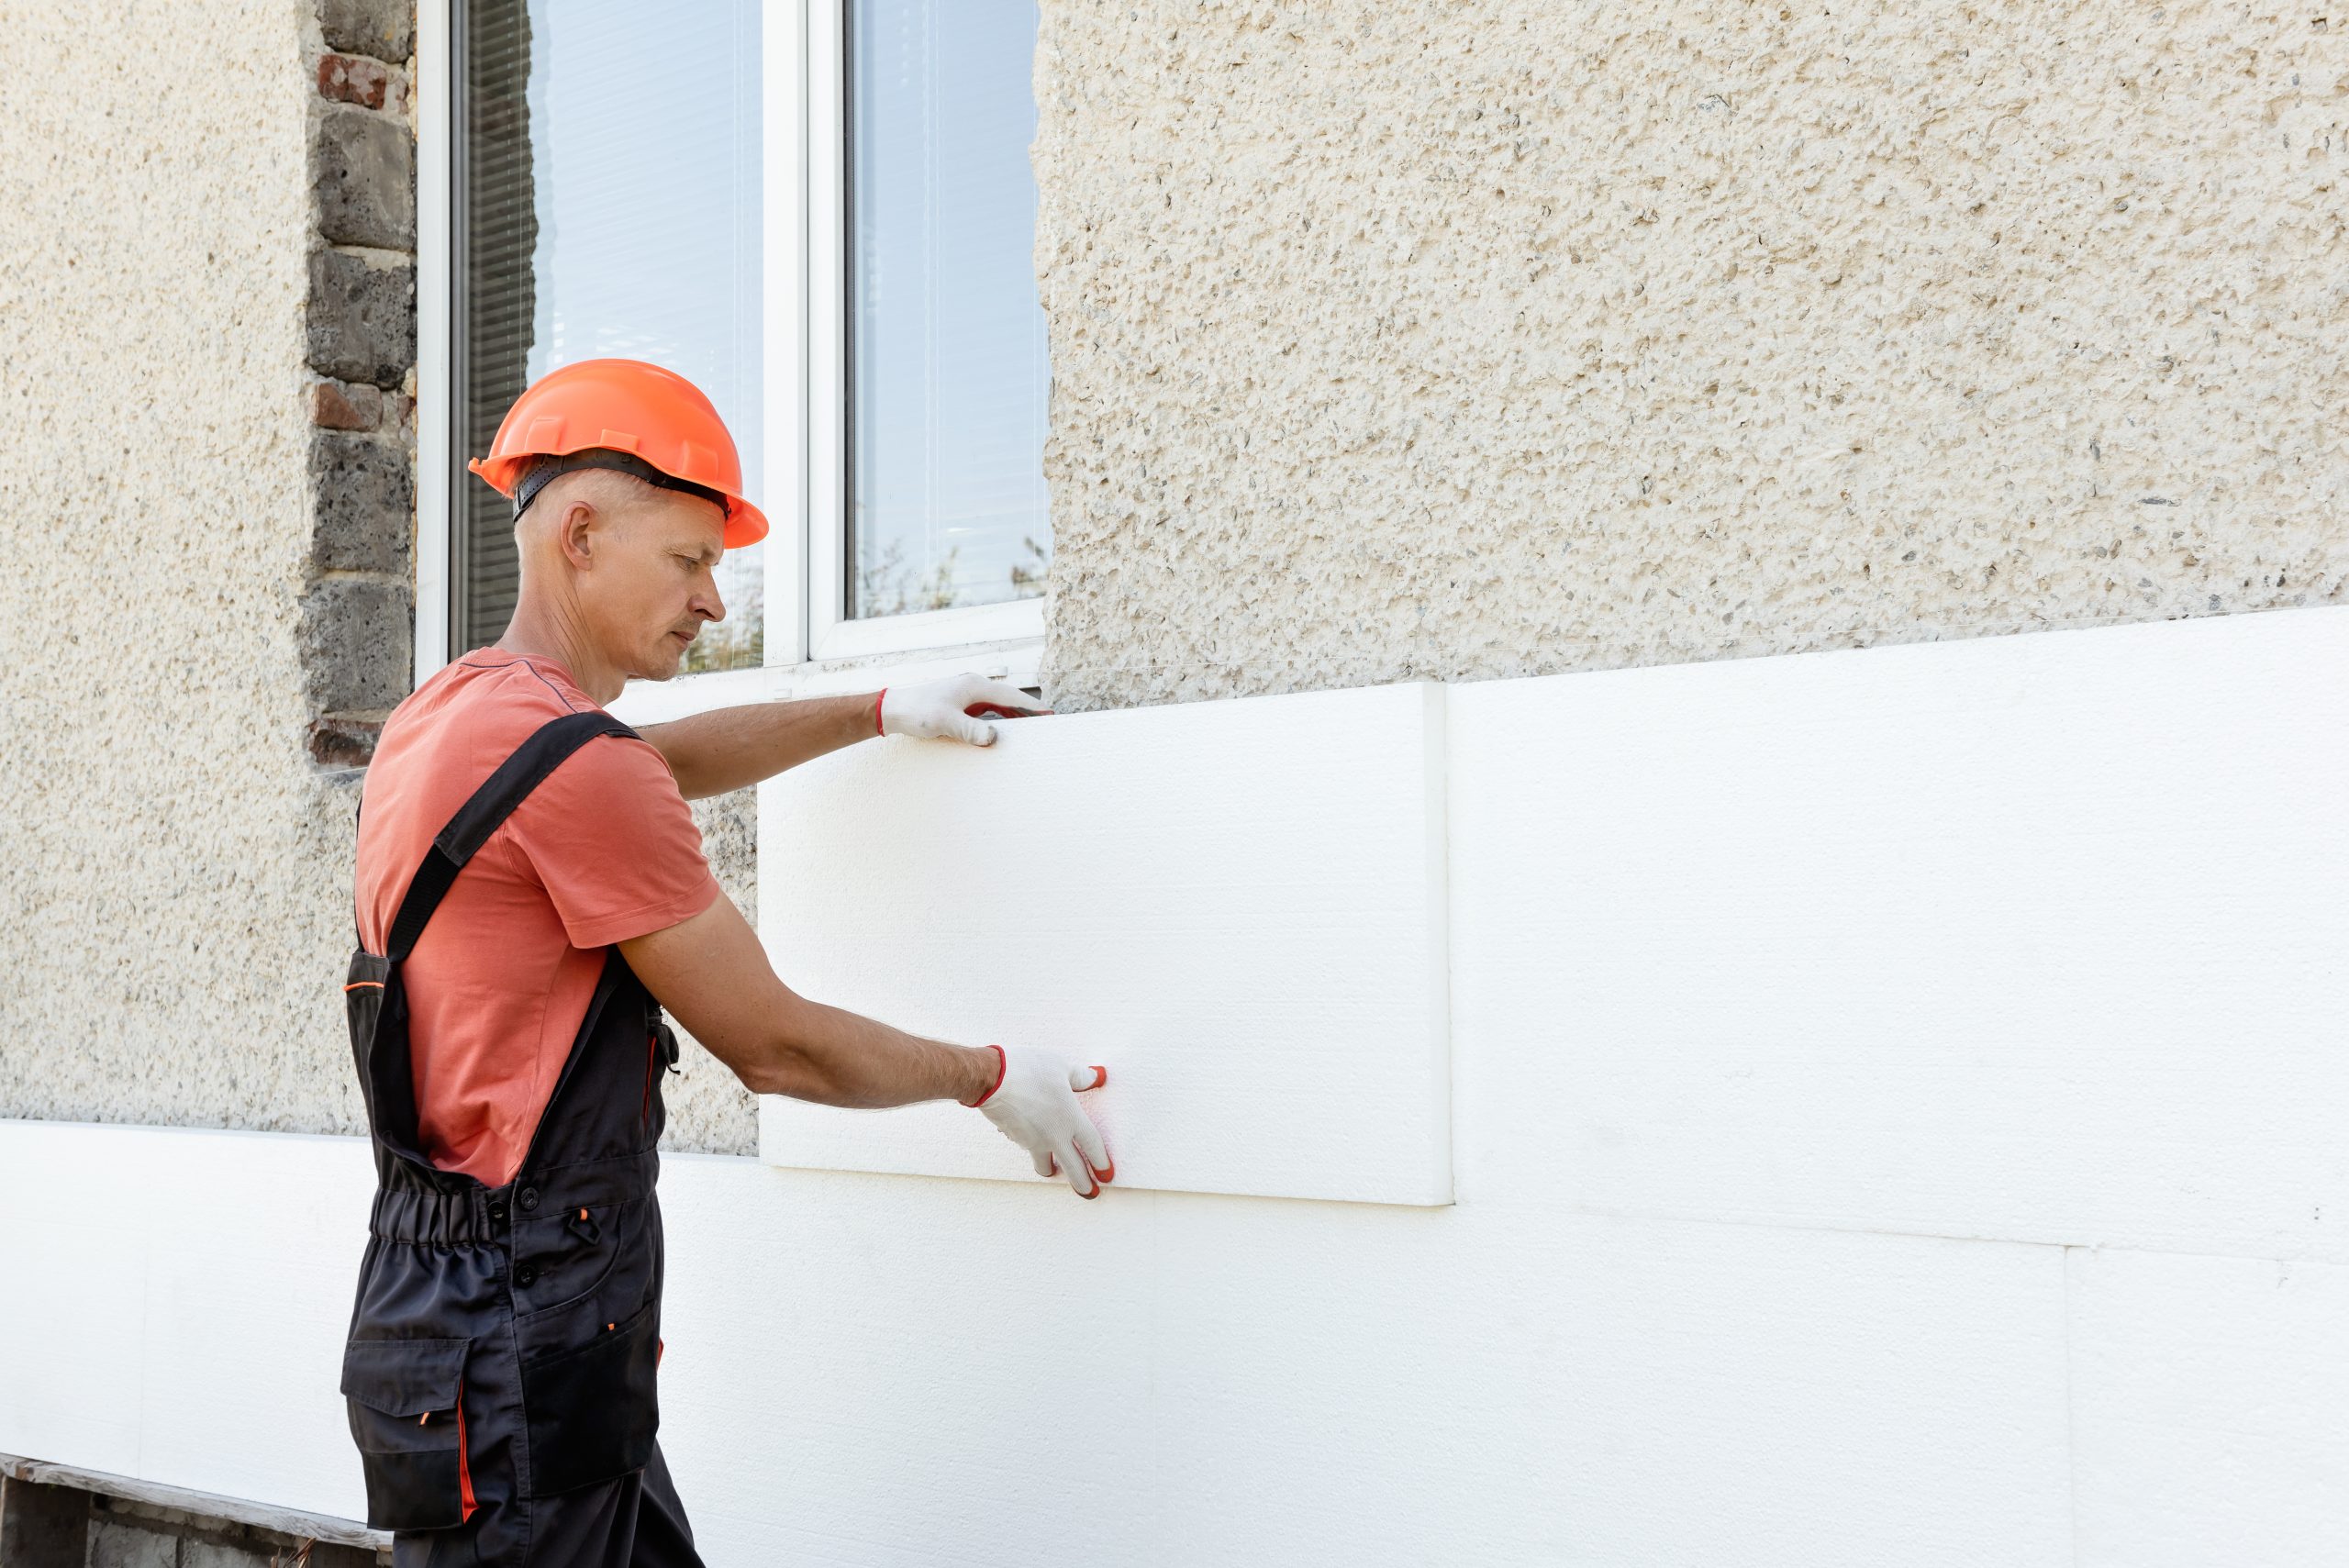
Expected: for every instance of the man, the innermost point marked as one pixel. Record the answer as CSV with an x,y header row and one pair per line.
x,y
531,895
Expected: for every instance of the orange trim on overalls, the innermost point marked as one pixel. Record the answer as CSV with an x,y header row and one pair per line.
x,y
465,1504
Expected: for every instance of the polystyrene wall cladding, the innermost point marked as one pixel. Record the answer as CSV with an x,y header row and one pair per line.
x,y
1895,1121
1238,908
1517,336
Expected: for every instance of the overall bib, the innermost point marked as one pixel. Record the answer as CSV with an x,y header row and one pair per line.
x,y
500,1374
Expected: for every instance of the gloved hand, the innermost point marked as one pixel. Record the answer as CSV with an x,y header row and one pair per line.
x,y
950,709
1034,1105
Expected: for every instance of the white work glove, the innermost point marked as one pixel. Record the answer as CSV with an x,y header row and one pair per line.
x,y
952,709
1034,1105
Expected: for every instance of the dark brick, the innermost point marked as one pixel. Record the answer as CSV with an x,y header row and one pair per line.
x,y
42,1527
326,1553
362,177
343,741
344,406
362,318
357,645
385,28
356,79
365,504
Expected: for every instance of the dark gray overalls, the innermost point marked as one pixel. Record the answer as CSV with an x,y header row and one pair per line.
x,y
500,1374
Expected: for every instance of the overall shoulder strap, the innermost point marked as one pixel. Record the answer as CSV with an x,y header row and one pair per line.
x,y
480,817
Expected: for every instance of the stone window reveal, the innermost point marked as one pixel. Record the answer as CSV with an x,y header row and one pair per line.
x,y
357,601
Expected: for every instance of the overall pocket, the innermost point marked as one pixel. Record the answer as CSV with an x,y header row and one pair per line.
x,y
405,1400
593,1407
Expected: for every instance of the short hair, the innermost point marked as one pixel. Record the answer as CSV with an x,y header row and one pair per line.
x,y
609,493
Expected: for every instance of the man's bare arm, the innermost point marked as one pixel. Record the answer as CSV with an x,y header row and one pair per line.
x,y
711,973
732,748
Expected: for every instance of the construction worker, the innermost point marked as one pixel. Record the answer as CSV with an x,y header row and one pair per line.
x,y
531,895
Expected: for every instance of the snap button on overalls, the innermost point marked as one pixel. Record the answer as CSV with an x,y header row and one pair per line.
x,y
500,1373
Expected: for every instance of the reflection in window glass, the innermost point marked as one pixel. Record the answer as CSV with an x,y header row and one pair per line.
x,y
612,209
947,366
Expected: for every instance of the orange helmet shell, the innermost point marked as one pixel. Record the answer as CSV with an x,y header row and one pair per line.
x,y
631,407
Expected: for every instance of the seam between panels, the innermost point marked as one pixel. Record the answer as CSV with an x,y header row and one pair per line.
x,y
2071,1414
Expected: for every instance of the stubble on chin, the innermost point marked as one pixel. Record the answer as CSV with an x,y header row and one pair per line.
x,y
662,665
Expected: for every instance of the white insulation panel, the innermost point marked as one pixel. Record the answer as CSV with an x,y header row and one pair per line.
x,y
1894,1115
871,1372
177,1306
2210,1408
1237,907
2034,939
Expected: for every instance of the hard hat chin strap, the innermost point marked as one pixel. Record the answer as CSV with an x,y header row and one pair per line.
x,y
547,470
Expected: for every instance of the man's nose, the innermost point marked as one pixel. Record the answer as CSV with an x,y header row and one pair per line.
x,y
710,606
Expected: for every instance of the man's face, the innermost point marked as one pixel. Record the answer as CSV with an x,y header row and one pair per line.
x,y
651,587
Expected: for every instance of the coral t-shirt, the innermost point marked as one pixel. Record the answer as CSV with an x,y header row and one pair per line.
x,y
603,849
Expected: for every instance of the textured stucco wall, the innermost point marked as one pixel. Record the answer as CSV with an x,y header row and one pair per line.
x,y
177,870
174,866
1517,336
1433,339
708,1108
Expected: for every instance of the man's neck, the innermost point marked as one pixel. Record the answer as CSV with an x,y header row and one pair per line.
x,y
537,632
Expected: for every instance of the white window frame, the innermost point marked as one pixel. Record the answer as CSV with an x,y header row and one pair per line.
x,y
433,96
821,199
812,648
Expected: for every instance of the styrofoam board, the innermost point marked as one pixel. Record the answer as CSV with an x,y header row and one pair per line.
x,y
877,1372
2037,938
1171,1379
2210,1409
1237,907
180,1311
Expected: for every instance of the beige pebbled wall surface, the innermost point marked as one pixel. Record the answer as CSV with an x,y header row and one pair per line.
x,y
176,916
172,909
1508,337
1429,340
708,1108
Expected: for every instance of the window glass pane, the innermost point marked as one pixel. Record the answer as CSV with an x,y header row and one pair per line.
x,y
948,373
612,208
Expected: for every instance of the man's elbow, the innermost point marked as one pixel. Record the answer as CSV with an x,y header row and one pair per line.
x,y
783,1068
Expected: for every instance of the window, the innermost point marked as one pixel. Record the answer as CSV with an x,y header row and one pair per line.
x,y
947,369
611,207
823,214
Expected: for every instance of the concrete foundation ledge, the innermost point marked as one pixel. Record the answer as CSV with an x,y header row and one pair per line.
x,y
89,1516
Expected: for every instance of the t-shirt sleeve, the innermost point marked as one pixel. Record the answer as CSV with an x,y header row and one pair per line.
x,y
611,841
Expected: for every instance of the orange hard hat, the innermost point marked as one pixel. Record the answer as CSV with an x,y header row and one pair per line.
x,y
637,410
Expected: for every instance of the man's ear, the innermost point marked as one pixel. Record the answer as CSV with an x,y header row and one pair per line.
x,y
575,534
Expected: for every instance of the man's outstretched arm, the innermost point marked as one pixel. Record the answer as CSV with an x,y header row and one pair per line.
x,y
730,747
711,973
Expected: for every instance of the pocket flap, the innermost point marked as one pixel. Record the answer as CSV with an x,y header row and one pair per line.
x,y
404,1377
